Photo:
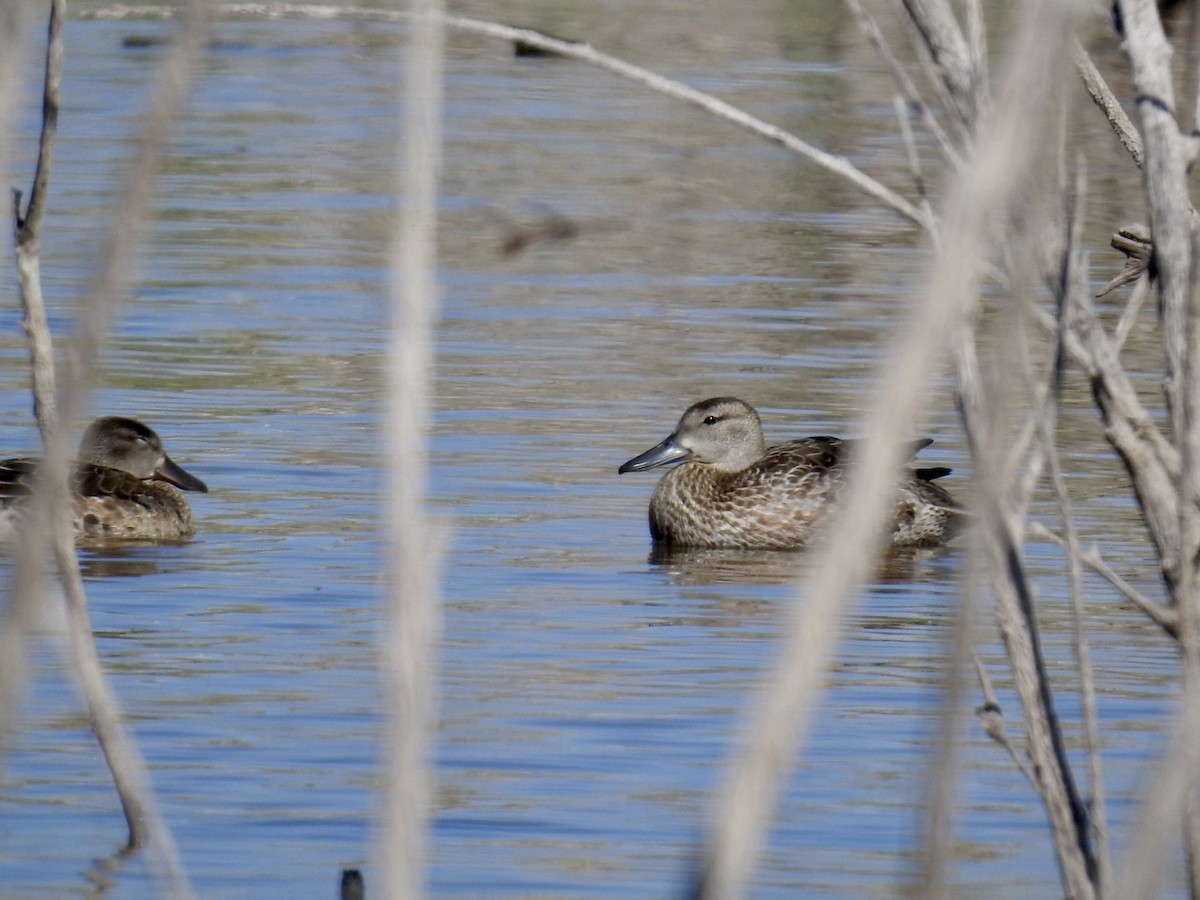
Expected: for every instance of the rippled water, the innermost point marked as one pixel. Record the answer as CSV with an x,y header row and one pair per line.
x,y
589,691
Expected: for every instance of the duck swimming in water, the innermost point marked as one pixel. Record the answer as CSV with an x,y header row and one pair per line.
x,y
123,486
732,491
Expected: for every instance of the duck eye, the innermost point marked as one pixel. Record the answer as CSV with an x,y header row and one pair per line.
x,y
710,420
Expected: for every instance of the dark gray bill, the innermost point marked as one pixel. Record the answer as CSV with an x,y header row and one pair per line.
x,y
668,451
183,480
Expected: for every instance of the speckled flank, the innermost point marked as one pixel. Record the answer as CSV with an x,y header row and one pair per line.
x,y
731,491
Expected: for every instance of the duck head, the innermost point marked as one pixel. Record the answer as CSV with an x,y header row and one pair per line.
x,y
722,432
128,445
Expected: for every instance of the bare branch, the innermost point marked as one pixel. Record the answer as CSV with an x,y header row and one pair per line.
x,y
1163,616
1108,103
950,56
908,88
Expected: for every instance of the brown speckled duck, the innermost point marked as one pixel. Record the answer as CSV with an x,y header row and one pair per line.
x,y
732,491
123,486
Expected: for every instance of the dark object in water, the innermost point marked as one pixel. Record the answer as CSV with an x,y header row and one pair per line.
x,y
353,887
524,48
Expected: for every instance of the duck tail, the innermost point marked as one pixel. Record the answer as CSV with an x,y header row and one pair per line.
x,y
932,473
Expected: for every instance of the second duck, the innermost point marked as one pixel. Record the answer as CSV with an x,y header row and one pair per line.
x,y
732,491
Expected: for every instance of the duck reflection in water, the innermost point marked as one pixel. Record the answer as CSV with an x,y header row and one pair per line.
x,y
732,491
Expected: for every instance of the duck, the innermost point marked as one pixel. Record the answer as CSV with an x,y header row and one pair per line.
x,y
124,486
731,491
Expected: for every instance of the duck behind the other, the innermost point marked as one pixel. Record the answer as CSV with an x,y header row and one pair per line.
x,y
732,491
123,487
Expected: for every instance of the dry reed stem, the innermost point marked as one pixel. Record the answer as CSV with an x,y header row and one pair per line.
x,y
1163,616
941,792
1107,102
999,526
414,549
50,528
781,713
914,160
21,610
1074,279
950,62
991,714
1173,228
908,88
1166,187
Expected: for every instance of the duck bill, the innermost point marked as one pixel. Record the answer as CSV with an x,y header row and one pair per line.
x,y
663,454
173,474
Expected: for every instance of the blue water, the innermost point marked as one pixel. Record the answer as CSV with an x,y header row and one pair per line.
x,y
588,695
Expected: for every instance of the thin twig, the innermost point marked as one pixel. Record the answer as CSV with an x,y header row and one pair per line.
x,y
1164,617
950,57
1108,103
908,88
991,719
1074,278
914,159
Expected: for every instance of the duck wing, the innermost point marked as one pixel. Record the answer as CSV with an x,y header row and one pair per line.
x,y
91,480
17,478
825,455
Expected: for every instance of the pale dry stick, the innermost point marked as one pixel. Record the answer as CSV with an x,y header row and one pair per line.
x,y
1165,617
1174,230
939,814
1000,529
50,503
1192,83
1074,278
914,160
838,165
991,717
781,712
28,239
1108,103
1130,312
977,42
908,88
1000,522
409,652
949,57
1151,461
1166,186
15,29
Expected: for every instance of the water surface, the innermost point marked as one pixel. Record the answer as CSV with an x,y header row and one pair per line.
x,y
589,691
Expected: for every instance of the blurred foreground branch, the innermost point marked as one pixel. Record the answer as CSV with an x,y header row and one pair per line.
x,y
413,544
48,525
